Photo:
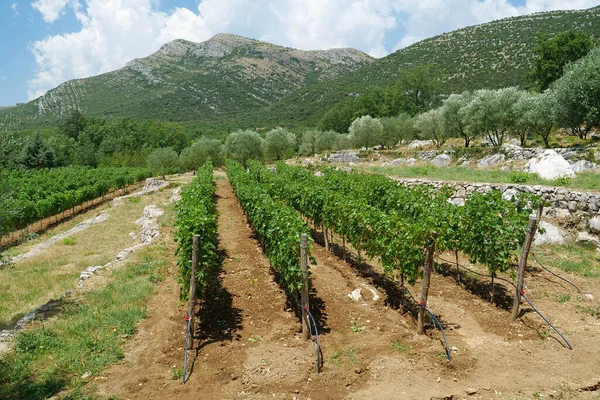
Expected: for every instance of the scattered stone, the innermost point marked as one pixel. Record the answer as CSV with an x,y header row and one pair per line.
x,y
176,195
442,160
594,224
552,234
415,144
491,161
550,165
471,391
583,165
589,296
454,349
345,156
587,239
509,194
86,375
395,162
355,295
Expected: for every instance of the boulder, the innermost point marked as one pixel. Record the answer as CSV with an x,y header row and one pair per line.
x,y
442,160
345,156
392,163
594,224
552,234
550,165
491,161
509,194
583,165
587,239
415,144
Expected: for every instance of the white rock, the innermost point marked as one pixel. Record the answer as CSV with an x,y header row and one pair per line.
x,y
562,213
442,160
509,194
589,296
594,224
552,235
583,165
491,161
586,238
550,165
392,163
415,144
355,295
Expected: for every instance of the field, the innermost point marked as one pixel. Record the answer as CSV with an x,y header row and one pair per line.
x,y
248,342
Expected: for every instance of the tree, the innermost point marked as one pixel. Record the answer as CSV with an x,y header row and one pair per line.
x,y
37,154
456,119
73,125
325,141
491,113
342,142
537,114
205,149
163,160
553,54
431,126
421,85
395,128
243,146
279,144
10,143
577,95
63,147
366,131
307,144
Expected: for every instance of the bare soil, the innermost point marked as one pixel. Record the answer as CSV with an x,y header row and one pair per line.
x,y
248,343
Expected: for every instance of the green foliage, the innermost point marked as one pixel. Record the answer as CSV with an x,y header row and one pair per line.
x,y
245,145
325,141
73,125
70,241
551,55
577,95
196,215
30,195
205,149
279,144
519,177
278,226
307,143
37,154
366,131
163,160
536,116
10,145
431,126
395,129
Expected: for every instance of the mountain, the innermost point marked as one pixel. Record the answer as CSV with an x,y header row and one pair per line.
x,y
230,81
220,78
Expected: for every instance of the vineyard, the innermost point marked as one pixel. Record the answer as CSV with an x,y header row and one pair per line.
x,y
31,195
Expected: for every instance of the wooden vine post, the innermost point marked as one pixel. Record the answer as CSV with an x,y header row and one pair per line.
x,y
430,249
193,287
304,292
325,237
531,228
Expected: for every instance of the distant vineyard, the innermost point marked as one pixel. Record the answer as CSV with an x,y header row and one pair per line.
x,y
30,195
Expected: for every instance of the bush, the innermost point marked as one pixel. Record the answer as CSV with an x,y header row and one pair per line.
x,y
243,146
366,131
163,160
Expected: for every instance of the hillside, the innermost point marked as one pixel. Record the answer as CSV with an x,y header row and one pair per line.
x,y
493,55
220,78
230,81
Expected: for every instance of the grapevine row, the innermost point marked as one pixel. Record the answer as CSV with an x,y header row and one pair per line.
x,y
196,215
278,225
29,195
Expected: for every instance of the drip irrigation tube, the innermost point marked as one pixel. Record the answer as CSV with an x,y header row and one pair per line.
x,y
187,335
435,323
314,323
556,275
522,293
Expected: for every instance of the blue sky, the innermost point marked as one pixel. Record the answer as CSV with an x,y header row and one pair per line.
x,y
46,42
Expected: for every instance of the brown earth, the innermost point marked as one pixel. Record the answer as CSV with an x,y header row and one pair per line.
x,y
248,343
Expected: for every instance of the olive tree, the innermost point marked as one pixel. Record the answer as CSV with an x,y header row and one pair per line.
x,y
163,160
456,118
307,144
325,141
538,115
395,129
431,125
491,113
279,144
577,95
205,149
366,131
243,146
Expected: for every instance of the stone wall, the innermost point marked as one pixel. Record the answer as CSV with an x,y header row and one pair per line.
x,y
576,207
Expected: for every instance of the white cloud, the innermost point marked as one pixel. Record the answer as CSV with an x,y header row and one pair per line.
x,y
3,77
116,31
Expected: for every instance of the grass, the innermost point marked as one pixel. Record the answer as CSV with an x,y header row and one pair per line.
x,y
581,260
586,180
84,338
398,345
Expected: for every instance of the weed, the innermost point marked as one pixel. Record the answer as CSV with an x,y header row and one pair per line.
x,y
255,338
562,298
176,373
356,328
134,200
70,241
562,181
350,354
544,333
519,177
593,311
335,358
401,347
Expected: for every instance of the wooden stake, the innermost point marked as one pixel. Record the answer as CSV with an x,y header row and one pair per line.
x,y
304,292
344,246
325,236
426,280
193,287
522,263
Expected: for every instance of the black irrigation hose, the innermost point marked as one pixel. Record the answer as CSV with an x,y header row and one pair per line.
x,y
556,275
544,318
522,293
435,321
314,323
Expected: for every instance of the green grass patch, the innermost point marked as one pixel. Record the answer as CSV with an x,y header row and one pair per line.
x,y
572,258
85,337
69,241
585,180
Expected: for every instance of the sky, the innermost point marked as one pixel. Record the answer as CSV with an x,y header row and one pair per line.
x,y
47,42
